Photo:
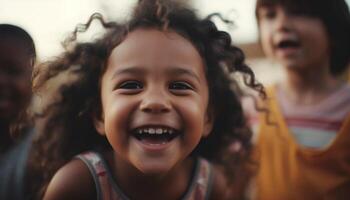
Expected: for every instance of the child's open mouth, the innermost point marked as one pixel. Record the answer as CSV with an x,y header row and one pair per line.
x,y
155,135
288,45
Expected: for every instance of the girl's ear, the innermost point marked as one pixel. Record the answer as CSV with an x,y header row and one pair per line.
x,y
99,122
208,123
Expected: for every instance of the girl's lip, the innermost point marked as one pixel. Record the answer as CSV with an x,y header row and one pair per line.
x,y
154,126
153,147
278,39
287,51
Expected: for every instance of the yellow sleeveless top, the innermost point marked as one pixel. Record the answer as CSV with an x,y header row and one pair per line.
x,y
289,171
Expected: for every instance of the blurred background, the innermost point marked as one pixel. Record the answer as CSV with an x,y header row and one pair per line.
x,y
50,22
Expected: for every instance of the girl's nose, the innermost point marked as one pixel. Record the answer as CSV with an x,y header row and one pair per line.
x,y
155,101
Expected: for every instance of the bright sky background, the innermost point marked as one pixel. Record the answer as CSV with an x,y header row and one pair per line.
x,y
50,21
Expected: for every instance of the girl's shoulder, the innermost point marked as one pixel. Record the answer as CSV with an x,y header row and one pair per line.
x,y
72,181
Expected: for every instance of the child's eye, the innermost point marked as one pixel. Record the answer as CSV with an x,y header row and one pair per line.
x,y
300,12
131,85
180,86
270,14
267,13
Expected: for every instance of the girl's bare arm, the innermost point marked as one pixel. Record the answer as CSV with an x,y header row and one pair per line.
x,y
72,181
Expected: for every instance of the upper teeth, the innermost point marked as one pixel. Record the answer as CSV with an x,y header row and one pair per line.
x,y
155,130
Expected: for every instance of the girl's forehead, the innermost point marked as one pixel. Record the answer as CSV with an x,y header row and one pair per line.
x,y
154,46
262,3
12,48
169,40
299,7
287,4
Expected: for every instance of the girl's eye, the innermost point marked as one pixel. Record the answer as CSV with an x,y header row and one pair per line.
x,y
267,13
129,85
180,86
270,14
300,12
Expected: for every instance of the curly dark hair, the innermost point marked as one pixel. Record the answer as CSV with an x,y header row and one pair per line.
x,y
65,123
335,16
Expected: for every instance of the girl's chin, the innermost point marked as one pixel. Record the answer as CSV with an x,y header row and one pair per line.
x,y
153,164
154,169
155,159
292,64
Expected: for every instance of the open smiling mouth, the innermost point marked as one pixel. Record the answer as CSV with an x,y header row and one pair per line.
x,y
285,44
155,135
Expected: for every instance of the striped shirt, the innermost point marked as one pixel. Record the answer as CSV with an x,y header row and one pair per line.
x,y
313,126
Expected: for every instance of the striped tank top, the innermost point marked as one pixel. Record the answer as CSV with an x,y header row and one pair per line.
x,y
108,189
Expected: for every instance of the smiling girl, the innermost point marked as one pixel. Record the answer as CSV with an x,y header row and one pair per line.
x,y
149,112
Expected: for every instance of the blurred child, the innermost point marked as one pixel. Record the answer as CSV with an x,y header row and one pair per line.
x,y
146,107
17,57
304,150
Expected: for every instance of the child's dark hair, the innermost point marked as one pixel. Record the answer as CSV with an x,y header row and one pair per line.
x,y
336,18
66,123
12,31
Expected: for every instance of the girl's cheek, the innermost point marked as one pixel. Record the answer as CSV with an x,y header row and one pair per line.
x,y
264,41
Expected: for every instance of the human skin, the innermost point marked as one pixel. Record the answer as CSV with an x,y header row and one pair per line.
x,y
277,25
156,80
15,78
15,85
300,43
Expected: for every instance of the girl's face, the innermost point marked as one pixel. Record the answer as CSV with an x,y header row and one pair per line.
x,y
154,100
15,74
295,40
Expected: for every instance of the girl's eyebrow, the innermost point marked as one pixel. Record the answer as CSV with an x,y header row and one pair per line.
x,y
267,6
179,71
129,70
173,71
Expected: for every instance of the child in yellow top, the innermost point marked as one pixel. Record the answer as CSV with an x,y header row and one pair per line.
x,y
303,146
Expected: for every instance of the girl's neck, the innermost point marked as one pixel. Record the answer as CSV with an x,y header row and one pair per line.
x,y
309,87
166,186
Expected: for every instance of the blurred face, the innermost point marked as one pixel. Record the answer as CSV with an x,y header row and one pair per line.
x,y
295,40
154,97
15,78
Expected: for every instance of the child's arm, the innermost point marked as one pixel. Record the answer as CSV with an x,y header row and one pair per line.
x,y
220,189
72,181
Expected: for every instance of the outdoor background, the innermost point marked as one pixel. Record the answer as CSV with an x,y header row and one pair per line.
x,y
50,21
